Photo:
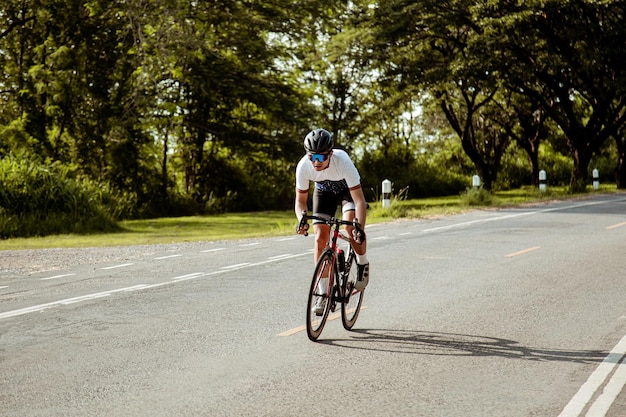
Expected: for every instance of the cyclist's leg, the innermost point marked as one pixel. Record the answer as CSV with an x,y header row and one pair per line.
x,y
348,212
324,205
360,249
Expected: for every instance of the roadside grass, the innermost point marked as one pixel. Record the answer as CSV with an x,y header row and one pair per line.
x,y
235,226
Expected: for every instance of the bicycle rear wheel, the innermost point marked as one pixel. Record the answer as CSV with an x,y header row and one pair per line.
x,y
351,308
320,295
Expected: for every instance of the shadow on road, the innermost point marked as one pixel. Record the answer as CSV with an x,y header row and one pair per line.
x,y
453,344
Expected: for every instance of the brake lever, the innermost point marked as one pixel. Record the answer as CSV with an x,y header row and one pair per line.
x,y
303,224
359,233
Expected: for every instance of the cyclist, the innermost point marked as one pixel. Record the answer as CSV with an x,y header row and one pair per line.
x,y
337,181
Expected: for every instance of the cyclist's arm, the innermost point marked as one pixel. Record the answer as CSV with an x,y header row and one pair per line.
x,y
301,202
359,203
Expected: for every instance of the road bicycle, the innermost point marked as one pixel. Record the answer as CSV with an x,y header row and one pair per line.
x,y
333,280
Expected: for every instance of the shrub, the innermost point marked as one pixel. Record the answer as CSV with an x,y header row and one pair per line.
x,y
476,196
38,200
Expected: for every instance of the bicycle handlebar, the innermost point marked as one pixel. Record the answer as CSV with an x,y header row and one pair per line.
x,y
331,221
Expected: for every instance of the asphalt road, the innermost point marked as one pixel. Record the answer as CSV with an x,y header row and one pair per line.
x,y
517,312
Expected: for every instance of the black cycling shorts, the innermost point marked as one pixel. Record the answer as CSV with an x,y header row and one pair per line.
x,y
325,203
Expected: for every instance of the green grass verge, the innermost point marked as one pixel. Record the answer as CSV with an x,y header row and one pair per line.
x,y
281,223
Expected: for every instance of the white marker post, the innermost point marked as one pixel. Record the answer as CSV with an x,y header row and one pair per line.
x,y
476,181
542,181
386,194
596,179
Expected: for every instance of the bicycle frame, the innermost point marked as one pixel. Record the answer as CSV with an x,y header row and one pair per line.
x,y
342,293
332,281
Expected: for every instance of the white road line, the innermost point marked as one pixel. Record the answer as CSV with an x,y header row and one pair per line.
x,y
612,389
4,286
188,276
57,276
584,395
67,301
276,259
514,215
195,275
168,257
211,250
490,219
405,233
236,265
284,255
285,239
117,266
250,244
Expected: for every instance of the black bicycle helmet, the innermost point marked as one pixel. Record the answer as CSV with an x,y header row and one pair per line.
x,y
318,141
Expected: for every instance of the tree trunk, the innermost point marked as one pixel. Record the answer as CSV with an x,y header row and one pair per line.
x,y
534,166
620,170
582,158
531,147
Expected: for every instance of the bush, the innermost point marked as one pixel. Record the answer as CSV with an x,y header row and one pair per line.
x,y
476,196
37,200
421,177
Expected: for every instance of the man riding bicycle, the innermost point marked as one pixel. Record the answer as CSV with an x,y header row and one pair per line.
x,y
337,181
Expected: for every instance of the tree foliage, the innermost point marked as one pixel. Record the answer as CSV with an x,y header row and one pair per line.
x,y
180,107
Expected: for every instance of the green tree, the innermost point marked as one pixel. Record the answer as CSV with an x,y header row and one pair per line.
x,y
435,45
566,56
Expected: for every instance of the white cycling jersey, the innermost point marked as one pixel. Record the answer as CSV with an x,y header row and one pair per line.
x,y
340,174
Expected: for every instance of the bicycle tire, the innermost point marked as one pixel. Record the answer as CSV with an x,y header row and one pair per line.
x,y
351,308
314,323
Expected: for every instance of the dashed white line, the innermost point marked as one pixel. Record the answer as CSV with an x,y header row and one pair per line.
x,y
512,216
117,266
250,244
169,256
57,276
188,276
490,219
284,255
67,301
102,294
583,396
235,266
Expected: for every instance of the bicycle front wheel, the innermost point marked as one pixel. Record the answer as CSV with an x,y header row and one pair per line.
x,y
320,295
352,306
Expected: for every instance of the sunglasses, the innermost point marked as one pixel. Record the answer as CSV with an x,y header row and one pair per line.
x,y
319,157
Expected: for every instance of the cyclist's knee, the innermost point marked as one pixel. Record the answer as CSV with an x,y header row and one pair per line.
x,y
321,237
